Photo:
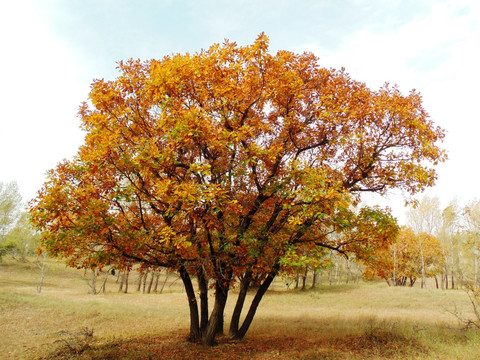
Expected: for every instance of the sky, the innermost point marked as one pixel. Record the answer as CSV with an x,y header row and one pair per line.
x,y
51,50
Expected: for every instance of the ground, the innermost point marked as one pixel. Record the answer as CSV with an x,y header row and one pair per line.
x,y
344,321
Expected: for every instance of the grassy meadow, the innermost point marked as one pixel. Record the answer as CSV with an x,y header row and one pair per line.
x,y
354,321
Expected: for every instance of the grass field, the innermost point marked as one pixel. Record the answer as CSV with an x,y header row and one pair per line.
x,y
366,321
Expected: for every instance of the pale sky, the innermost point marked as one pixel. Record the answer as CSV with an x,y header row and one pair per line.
x,y
51,50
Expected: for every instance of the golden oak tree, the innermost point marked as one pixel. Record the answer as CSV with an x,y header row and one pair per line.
x,y
217,164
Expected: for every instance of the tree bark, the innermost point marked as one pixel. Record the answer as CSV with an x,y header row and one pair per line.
x,y
215,324
423,264
42,272
203,287
122,280
140,278
93,283
254,305
304,279
244,285
144,282
165,281
103,288
157,278
150,284
195,333
394,276
127,274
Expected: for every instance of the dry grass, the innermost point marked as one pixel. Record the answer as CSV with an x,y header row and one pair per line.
x,y
369,321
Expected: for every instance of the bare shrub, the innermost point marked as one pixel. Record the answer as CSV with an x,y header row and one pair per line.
x,y
469,322
75,342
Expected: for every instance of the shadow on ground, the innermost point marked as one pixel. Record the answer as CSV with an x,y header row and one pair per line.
x,y
383,345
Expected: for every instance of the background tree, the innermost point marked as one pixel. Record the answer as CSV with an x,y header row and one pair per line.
x,y
297,263
402,262
23,239
10,207
424,218
472,219
10,210
449,235
217,164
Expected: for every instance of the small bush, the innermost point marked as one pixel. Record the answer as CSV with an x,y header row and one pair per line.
x,y
74,342
6,249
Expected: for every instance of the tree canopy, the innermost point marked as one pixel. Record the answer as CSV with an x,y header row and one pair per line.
x,y
220,163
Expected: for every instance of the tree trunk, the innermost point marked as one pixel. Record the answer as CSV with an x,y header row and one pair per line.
x,y
349,272
314,281
104,284
254,305
195,333
150,284
394,276
42,272
144,282
140,278
165,281
127,274
203,287
475,268
215,324
244,285
304,279
93,283
122,280
157,278
422,258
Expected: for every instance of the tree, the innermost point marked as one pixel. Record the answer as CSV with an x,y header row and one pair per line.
x,y
10,209
448,234
217,164
403,261
472,217
424,218
23,239
10,206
